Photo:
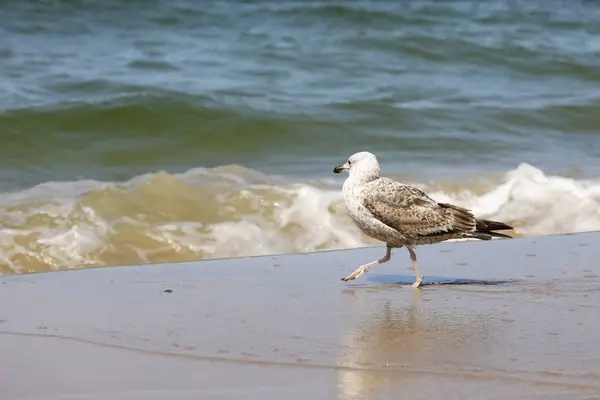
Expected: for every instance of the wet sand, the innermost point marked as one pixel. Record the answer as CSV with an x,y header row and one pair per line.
x,y
505,319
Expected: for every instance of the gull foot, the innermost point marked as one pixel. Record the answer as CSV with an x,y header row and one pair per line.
x,y
356,274
418,283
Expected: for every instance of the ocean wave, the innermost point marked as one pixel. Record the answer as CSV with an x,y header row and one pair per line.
x,y
151,129
234,211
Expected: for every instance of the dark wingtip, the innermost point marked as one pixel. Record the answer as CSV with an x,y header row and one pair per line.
x,y
501,235
486,225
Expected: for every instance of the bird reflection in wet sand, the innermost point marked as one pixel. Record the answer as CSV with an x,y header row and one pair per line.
x,y
402,215
387,349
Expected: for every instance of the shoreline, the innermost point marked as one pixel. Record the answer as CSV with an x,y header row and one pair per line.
x,y
495,318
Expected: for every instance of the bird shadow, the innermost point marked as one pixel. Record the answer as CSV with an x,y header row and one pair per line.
x,y
436,280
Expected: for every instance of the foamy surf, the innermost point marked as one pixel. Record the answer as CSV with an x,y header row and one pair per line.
x,y
233,211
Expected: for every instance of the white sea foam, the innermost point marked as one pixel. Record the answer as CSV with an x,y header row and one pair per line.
x,y
536,204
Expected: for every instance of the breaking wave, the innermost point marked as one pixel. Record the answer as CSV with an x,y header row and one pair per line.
x,y
233,211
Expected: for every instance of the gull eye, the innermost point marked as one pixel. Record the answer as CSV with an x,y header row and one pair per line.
x,y
349,162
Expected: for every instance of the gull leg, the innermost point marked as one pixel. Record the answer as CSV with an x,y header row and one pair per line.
x,y
363,268
413,257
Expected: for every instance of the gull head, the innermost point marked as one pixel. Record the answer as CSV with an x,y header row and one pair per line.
x,y
362,165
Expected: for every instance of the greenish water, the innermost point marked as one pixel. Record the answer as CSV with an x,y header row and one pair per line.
x,y
495,105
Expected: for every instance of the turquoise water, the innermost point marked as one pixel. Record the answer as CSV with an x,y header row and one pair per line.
x,y
137,131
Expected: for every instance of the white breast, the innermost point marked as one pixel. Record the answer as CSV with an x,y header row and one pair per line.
x,y
353,201
364,220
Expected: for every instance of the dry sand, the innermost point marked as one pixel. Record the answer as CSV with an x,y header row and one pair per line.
x,y
513,319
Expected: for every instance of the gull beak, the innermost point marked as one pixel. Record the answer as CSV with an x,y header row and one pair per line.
x,y
340,168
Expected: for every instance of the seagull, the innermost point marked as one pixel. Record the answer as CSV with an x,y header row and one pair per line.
x,y
402,215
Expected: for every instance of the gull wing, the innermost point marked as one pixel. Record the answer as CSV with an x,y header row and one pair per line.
x,y
412,213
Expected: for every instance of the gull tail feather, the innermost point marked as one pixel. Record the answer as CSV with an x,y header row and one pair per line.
x,y
486,235
484,229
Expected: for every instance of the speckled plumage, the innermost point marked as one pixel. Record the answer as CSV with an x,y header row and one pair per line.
x,y
402,215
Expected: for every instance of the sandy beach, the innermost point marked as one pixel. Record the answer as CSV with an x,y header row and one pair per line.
x,y
499,320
